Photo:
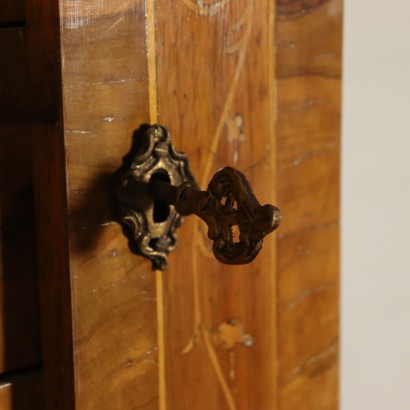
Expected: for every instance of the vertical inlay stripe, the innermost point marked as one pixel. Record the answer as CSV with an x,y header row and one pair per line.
x,y
153,114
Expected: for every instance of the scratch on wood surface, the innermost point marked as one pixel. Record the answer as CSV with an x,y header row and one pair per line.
x,y
306,157
77,22
143,357
297,8
206,9
287,44
309,228
113,81
80,192
147,405
79,13
119,20
320,358
254,164
98,226
307,293
80,132
111,118
304,105
291,75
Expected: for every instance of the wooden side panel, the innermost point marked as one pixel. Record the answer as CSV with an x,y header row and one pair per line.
x,y
215,94
308,43
51,205
19,314
105,99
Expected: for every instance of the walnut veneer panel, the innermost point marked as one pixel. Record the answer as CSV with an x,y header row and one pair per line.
x,y
206,71
215,94
113,291
308,41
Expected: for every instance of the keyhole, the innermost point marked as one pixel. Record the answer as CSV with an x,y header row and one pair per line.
x,y
160,209
235,233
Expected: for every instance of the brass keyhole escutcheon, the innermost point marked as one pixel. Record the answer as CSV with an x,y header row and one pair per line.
x,y
159,189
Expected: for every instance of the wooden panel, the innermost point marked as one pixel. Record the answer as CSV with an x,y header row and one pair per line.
x,y
308,126
22,392
209,77
12,11
215,84
19,315
98,299
113,292
51,204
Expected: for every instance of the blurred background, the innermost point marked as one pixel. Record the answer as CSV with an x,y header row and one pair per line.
x,y
376,206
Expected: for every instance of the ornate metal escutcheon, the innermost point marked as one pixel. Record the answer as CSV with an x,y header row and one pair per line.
x,y
159,189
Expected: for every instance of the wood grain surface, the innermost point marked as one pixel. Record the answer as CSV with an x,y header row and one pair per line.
x,y
201,335
215,94
49,172
308,43
105,99
89,75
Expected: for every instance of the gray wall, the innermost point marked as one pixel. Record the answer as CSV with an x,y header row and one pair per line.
x,y
376,206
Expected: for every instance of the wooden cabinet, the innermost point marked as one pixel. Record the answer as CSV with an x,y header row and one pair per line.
x,y
251,84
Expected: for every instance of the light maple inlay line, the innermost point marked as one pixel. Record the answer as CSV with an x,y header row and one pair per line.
x,y
153,113
152,63
161,339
